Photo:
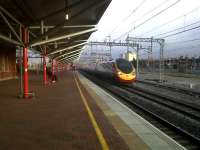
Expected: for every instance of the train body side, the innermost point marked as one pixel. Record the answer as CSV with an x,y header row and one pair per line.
x,y
105,70
120,71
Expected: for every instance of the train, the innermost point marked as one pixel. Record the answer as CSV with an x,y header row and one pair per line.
x,y
119,70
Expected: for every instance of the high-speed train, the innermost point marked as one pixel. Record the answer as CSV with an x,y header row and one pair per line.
x,y
120,70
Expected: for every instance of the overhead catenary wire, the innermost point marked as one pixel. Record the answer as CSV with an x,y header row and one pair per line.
x,y
147,20
167,49
179,45
174,49
186,47
170,35
156,7
128,16
177,29
173,20
184,41
159,5
137,7
150,11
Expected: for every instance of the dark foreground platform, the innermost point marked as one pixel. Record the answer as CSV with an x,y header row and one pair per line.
x,y
56,119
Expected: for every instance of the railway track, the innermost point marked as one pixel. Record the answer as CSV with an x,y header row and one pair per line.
x,y
178,119
182,90
185,107
173,110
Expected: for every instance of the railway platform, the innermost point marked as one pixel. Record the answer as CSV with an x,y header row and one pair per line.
x,y
73,114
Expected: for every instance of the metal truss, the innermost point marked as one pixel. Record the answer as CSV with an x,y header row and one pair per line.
x,y
70,26
4,14
63,55
67,48
64,36
148,40
113,44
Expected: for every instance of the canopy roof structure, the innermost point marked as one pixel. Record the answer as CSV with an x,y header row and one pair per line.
x,y
61,27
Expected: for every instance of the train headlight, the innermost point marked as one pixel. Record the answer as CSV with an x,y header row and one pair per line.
x,y
119,73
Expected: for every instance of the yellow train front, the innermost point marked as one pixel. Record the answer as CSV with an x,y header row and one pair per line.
x,y
120,70
124,71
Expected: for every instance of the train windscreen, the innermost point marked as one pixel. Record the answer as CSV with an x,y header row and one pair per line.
x,y
124,65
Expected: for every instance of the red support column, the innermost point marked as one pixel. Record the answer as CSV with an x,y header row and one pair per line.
x,y
57,68
52,70
44,68
25,61
63,68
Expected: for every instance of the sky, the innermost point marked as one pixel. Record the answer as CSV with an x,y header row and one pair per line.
x,y
176,21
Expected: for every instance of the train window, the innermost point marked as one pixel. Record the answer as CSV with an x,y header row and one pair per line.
x,y
124,65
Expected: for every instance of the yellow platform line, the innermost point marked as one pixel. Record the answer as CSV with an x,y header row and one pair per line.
x,y
99,134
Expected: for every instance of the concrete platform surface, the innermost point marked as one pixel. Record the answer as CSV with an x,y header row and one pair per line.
x,y
56,119
136,131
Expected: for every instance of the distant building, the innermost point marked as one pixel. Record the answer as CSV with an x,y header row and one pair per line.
x,y
130,56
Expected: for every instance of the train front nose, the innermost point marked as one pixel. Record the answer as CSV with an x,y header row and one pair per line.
x,y
125,77
125,70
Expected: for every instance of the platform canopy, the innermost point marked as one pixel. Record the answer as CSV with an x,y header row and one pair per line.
x,y
62,26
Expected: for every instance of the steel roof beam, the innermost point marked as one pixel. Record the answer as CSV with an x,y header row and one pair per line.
x,y
67,48
69,56
70,26
80,49
66,42
63,37
5,38
81,41
71,6
11,28
73,57
70,59
58,26
9,15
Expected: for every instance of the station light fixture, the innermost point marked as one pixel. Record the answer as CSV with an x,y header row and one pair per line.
x,y
67,16
67,10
